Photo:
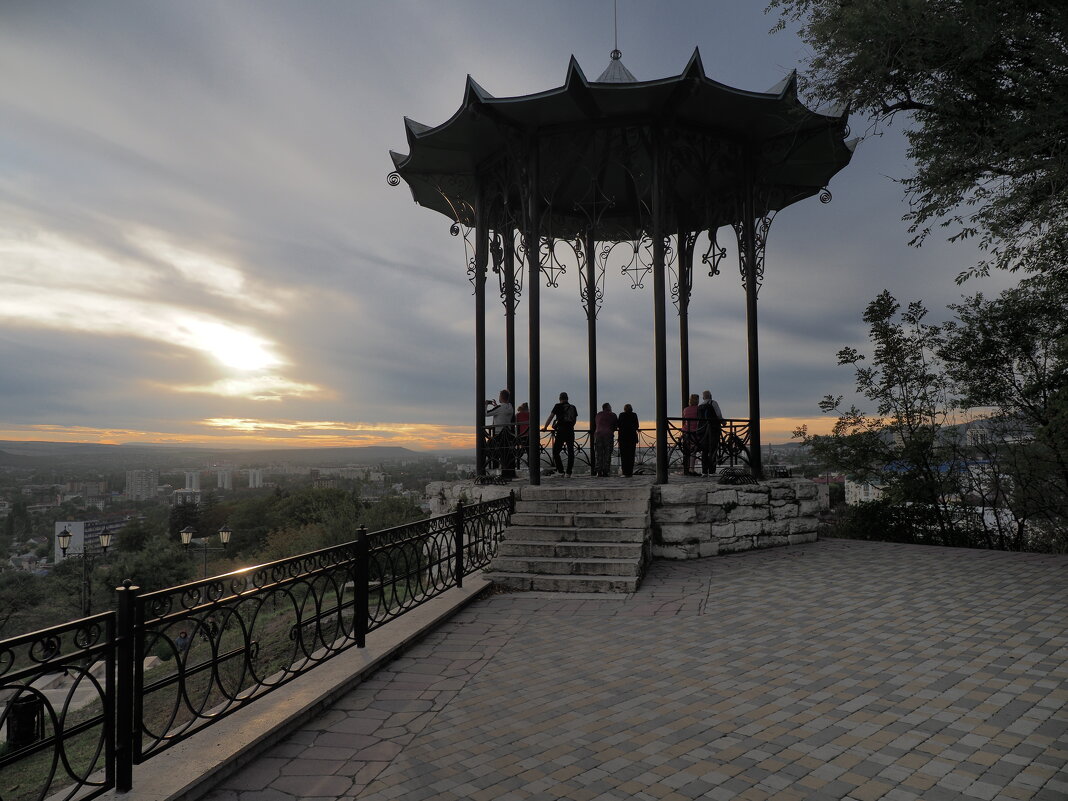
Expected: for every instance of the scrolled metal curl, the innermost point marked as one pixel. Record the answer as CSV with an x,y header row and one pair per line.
x,y
825,195
393,179
88,635
45,648
7,660
454,229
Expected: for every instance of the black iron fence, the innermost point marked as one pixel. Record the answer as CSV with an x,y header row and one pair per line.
x,y
83,702
732,447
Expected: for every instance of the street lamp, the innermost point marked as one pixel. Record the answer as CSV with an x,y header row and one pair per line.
x,y
187,542
88,563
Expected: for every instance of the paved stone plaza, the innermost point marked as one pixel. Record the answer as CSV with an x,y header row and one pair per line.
x,y
835,670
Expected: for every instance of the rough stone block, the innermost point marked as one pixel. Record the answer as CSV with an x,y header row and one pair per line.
x,y
747,529
803,525
676,514
800,539
784,512
809,508
806,490
751,495
683,493
779,493
679,551
723,531
722,496
749,513
682,532
711,514
778,528
707,549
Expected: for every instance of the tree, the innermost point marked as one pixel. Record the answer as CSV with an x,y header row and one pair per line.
x,y
983,88
903,447
1001,366
1010,355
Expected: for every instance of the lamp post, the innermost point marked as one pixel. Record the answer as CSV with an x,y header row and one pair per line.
x,y
187,542
88,563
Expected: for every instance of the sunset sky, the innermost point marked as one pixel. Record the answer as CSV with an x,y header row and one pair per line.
x,y
198,244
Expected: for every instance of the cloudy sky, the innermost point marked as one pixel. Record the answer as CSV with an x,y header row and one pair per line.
x,y
198,244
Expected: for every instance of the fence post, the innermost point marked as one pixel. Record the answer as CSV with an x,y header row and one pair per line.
x,y
125,657
460,543
511,503
361,587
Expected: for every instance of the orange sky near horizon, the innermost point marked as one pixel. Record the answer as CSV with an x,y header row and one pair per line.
x,y
246,433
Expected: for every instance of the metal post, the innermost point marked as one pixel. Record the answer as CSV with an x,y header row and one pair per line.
x,y
591,336
87,589
686,248
460,543
361,581
533,246
750,245
659,322
481,260
125,694
509,315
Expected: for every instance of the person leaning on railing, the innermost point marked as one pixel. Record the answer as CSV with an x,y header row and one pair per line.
x,y
605,425
500,447
628,427
709,425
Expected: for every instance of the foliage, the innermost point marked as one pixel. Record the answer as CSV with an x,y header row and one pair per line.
x,y
160,563
984,492
1010,354
983,88
901,447
18,591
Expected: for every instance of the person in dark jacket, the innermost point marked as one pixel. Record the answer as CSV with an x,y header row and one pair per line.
x,y
628,427
709,426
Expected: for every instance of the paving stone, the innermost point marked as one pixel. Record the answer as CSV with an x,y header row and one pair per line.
x,y
832,670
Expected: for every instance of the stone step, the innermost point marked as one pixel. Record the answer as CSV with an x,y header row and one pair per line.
x,y
610,521
606,493
536,583
571,550
572,534
602,520
635,506
567,567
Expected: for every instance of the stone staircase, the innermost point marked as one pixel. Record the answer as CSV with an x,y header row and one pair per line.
x,y
575,539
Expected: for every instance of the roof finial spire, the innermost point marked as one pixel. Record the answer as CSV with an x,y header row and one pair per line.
x,y
615,54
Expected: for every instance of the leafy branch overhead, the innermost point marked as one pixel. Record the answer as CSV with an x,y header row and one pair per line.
x,y
981,87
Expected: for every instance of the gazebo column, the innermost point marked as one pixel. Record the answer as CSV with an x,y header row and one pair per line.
x,y
533,257
479,278
749,249
686,248
591,334
659,313
509,314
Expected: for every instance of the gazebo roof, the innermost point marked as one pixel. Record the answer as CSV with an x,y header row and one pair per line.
x,y
596,146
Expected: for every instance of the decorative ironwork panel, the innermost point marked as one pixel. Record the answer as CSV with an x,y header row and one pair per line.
x,y
761,227
57,705
682,275
409,566
714,255
211,647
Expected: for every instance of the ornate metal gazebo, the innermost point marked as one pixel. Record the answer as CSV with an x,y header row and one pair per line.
x,y
651,166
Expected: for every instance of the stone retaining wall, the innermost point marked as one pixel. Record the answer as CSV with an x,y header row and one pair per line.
x,y
693,520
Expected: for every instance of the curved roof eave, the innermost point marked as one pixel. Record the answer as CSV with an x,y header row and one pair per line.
x,y
526,112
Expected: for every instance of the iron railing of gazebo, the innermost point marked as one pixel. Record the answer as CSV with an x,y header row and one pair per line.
x,y
733,450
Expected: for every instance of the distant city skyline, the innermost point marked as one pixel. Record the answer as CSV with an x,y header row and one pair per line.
x,y
198,244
